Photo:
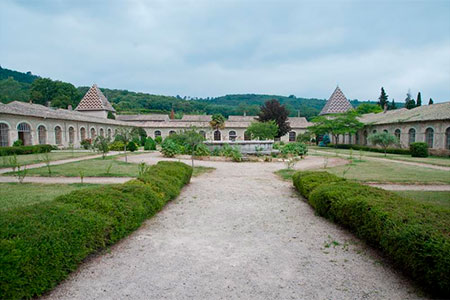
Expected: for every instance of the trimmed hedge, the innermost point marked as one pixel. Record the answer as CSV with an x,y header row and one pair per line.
x,y
370,149
419,149
414,235
19,150
41,244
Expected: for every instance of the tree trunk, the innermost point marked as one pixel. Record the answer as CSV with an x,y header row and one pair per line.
x,y
125,152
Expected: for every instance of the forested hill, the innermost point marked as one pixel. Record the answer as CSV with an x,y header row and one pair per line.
x,y
26,86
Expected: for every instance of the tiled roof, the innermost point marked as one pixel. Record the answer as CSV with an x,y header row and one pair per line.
x,y
242,118
438,111
40,111
196,118
298,122
94,100
337,103
142,118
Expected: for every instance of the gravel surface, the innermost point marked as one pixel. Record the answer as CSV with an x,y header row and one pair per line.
x,y
237,233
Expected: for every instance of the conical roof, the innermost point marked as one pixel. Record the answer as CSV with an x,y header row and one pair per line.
x,y
337,103
94,100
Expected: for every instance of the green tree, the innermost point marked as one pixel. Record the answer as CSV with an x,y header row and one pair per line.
x,y
111,115
192,139
336,124
263,130
419,99
101,144
124,135
383,139
217,122
430,102
409,102
393,105
367,108
272,110
383,99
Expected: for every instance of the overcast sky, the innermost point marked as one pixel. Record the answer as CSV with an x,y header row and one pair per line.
x,y
212,48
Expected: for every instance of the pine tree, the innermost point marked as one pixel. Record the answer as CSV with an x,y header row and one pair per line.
x,y
393,106
383,99
409,102
419,99
430,102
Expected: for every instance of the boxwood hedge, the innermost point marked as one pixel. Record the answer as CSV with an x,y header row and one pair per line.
x,y
19,150
370,149
413,234
42,243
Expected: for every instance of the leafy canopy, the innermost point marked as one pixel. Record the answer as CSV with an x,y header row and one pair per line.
x,y
263,130
383,139
272,110
336,124
217,122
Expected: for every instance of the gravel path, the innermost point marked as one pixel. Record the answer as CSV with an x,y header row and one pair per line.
x,y
237,233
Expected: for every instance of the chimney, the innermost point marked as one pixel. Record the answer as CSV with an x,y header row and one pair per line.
x,y
298,113
31,101
172,114
69,107
245,113
49,103
385,108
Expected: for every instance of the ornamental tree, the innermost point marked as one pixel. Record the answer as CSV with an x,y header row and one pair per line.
x,y
263,130
217,122
272,110
383,139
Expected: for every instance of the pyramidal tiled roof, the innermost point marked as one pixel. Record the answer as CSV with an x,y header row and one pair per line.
x,y
337,103
94,100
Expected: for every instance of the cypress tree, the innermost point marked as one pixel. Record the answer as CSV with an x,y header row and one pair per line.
x,y
383,99
419,99
430,102
409,102
393,106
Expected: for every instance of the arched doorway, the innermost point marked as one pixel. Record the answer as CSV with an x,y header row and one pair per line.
x,y
58,135
217,135
292,136
83,133
24,132
93,133
71,135
411,136
42,134
429,137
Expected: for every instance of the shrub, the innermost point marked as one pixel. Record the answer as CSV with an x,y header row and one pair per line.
x,y
371,149
419,149
42,243
298,149
17,143
413,234
20,150
150,144
202,150
117,146
131,146
86,143
158,140
169,148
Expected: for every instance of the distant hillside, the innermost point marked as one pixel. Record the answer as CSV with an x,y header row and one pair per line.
x,y
26,86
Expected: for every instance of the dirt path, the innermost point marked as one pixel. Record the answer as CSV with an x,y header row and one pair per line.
x,y
237,233
410,163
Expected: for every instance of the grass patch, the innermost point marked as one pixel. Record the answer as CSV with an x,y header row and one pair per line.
x,y
430,197
432,160
385,172
13,195
202,170
285,174
28,159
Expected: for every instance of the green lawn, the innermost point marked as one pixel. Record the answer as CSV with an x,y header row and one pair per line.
x,y
432,160
37,158
286,174
201,170
15,195
432,197
385,172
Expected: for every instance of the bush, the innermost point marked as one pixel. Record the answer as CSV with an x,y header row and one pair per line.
x,y
158,140
117,146
86,143
131,146
20,150
297,149
17,143
169,148
150,144
371,149
202,150
419,149
413,234
42,243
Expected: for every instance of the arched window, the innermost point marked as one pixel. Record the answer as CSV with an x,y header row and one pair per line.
x,y
157,133
447,139
102,132
292,136
109,133
232,135
24,131
71,135
411,136
374,131
365,137
203,133
58,135
92,133
217,135
397,134
83,133
429,137
172,132
385,131
42,134
247,136
4,135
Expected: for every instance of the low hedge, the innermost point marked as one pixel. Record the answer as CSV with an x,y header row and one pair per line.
x,y
414,235
19,150
419,149
370,149
41,244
